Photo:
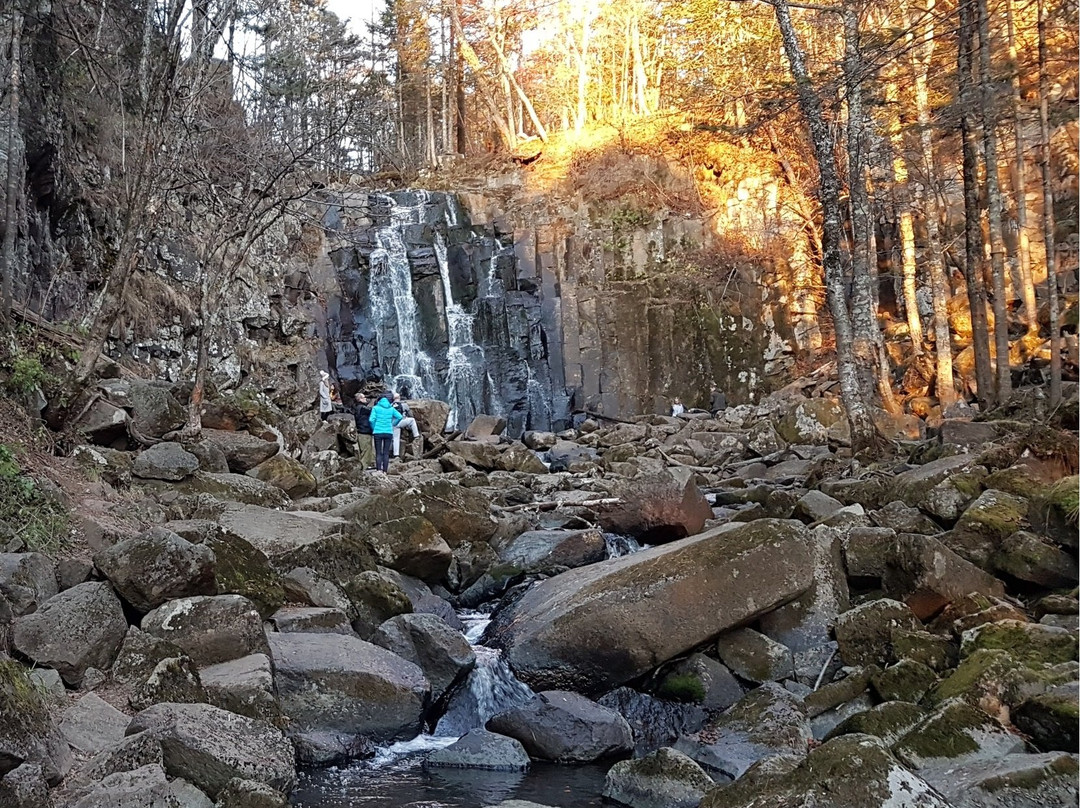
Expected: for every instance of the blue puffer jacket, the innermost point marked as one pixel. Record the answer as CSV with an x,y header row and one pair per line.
x,y
383,418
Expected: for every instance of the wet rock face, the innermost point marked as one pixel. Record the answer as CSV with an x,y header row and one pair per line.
x,y
520,324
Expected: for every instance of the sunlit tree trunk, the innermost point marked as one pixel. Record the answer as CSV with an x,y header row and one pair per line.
x,y
922,53
486,95
14,162
1019,182
641,101
973,243
868,347
864,435
995,208
1048,215
902,192
511,79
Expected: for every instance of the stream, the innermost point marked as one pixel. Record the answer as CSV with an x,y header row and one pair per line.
x,y
396,778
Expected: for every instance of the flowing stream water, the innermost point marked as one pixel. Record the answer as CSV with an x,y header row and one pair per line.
x,y
396,777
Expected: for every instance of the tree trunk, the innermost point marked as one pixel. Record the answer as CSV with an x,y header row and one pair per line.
x,y
921,58
973,243
509,76
869,348
902,194
13,183
1019,182
864,435
486,97
1048,215
995,206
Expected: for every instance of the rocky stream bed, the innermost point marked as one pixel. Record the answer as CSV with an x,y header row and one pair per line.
x,y
799,628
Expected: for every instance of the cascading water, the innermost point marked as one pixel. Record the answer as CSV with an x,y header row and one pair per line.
x,y
393,300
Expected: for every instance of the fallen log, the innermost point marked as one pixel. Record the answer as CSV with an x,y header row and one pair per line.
x,y
551,505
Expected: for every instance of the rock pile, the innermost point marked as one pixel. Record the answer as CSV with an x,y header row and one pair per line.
x,y
798,629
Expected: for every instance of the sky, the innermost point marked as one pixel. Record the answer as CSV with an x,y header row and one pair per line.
x,y
358,12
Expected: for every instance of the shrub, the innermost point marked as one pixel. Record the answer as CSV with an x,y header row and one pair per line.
x,y
683,687
34,515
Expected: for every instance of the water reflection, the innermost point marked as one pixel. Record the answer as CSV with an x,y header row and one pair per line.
x,y
405,783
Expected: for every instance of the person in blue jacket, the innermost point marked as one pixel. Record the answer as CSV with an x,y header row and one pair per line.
x,y
383,419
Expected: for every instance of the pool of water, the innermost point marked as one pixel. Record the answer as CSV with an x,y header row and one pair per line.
x,y
405,782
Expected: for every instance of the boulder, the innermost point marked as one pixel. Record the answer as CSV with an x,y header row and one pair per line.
x,y
754,657
209,629
130,752
480,749
517,457
27,580
814,506
242,450
719,687
595,627
304,585
907,680
144,786
208,746
1012,781
889,721
484,456
664,779
566,728
430,414
242,569
539,441
165,461
901,518
864,633
487,428
138,655
157,566
240,793
286,473
78,629
311,620
92,725
655,508
276,532
1029,559
815,421
852,771
427,641
24,787
654,722
335,688
767,722
1030,643
175,679
939,488
955,734
211,458
229,488
927,575
375,597
960,435
459,514
986,524
550,551
244,686
411,545
867,551
1050,720
103,422
27,733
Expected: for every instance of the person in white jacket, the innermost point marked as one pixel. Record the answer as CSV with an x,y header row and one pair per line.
x,y
677,407
406,422
326,405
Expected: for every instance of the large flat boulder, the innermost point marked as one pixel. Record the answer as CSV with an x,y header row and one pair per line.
x,y
209,629
277,532
341,687
565,727
655,508
208,746
80,628
593,628
242,450
156,566
441,652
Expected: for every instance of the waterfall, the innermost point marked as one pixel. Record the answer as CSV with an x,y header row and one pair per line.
x,y
490,689
617,545
465,375
393,300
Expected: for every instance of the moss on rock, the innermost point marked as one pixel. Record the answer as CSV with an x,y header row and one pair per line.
x,y
243,569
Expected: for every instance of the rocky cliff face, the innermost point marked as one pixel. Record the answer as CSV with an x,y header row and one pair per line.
x,y
531,321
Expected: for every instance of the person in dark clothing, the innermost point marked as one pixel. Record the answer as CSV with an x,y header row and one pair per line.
x,y
717,400
383,419
365,442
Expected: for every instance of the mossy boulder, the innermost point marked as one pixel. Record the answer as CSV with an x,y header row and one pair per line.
x,y
139,653
156,566
755,657
175,679
864,633
664,779
27,732
241,568
815,421
1054,511
375,598
337,557
907,680
230,487
286,473
941,488
839,692
412,546
889,721
1029,643
852,771
996,681
1050,720
985,524
1029,559
936,651
955,733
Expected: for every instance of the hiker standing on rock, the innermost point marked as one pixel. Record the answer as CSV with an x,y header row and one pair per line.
x,y
383,419
326,405
406,422
365,442
717,400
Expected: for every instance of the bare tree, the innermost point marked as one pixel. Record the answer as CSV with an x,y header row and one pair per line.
x,y
14,158
1048,213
